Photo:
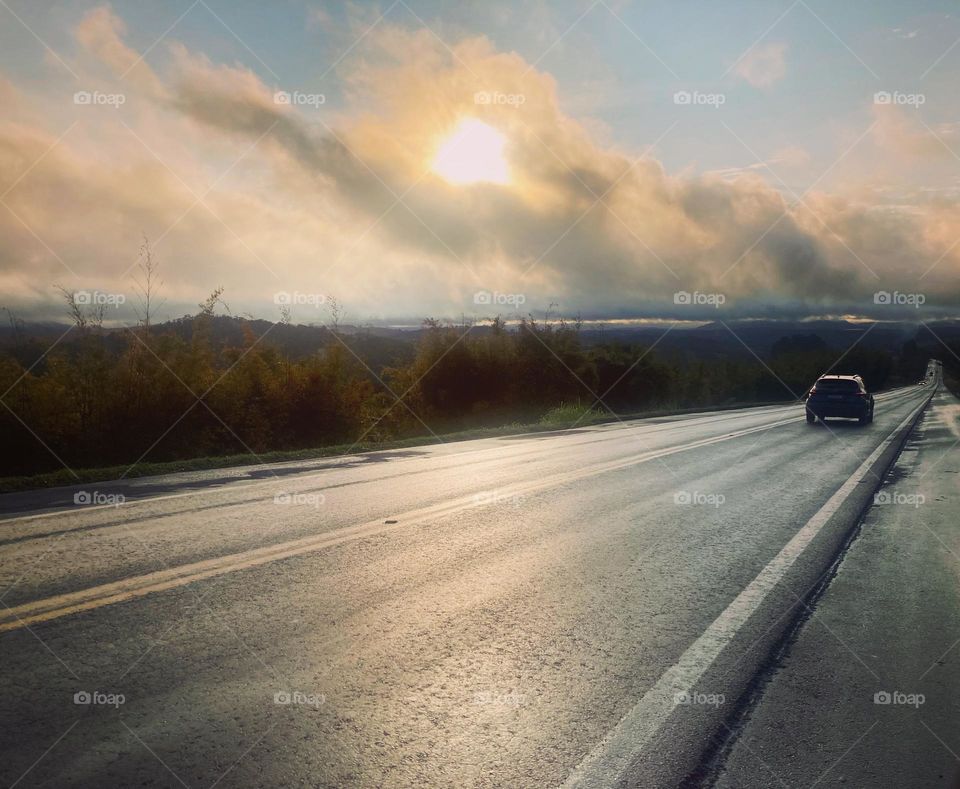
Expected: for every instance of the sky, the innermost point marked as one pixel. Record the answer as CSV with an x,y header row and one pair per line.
x,y
412,159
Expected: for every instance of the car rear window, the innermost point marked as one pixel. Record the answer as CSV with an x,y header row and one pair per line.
x,y
837,385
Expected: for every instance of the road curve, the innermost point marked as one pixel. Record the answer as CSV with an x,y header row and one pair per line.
x,y
579,608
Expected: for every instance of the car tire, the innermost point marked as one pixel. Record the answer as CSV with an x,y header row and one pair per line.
x,y
811,419
864,419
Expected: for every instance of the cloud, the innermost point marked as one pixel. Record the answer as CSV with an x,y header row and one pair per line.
x,y
902,133
100,35
263,197
788,158
762,66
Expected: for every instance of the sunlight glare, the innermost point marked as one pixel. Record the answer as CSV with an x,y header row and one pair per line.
x,y
473,153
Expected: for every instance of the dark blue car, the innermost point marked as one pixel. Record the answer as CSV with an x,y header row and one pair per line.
x,y
840,396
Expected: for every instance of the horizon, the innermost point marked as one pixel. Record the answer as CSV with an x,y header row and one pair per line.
x,y
480,323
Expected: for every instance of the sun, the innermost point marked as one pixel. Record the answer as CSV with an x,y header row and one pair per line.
x,y
472,154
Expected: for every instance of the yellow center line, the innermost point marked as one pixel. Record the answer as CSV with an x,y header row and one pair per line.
x,y
162,580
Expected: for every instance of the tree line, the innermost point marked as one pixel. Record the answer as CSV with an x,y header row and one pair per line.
x,y
158,393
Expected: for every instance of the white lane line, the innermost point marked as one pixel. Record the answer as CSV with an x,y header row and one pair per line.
x,y
58,606
609,761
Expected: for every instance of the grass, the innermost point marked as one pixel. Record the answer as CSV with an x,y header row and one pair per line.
x,y
567,415
559,418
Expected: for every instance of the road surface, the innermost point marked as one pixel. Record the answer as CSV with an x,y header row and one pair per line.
x,y
867,694
582,608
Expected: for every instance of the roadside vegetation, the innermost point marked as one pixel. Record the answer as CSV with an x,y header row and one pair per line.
x,y
188,392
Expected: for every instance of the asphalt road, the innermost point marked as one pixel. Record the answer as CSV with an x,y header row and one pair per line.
x,y
583,608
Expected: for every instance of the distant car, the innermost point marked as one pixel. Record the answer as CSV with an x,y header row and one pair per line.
x,y
922,383
843,396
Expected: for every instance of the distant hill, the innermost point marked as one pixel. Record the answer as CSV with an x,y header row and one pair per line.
x,y
381,347
377,348
743,339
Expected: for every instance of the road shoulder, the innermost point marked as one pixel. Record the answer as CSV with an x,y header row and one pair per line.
x,y
866,694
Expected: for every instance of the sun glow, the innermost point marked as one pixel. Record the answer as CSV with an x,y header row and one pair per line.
x,y
473,153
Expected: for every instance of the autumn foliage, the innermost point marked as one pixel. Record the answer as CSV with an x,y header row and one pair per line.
x,y
120,397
